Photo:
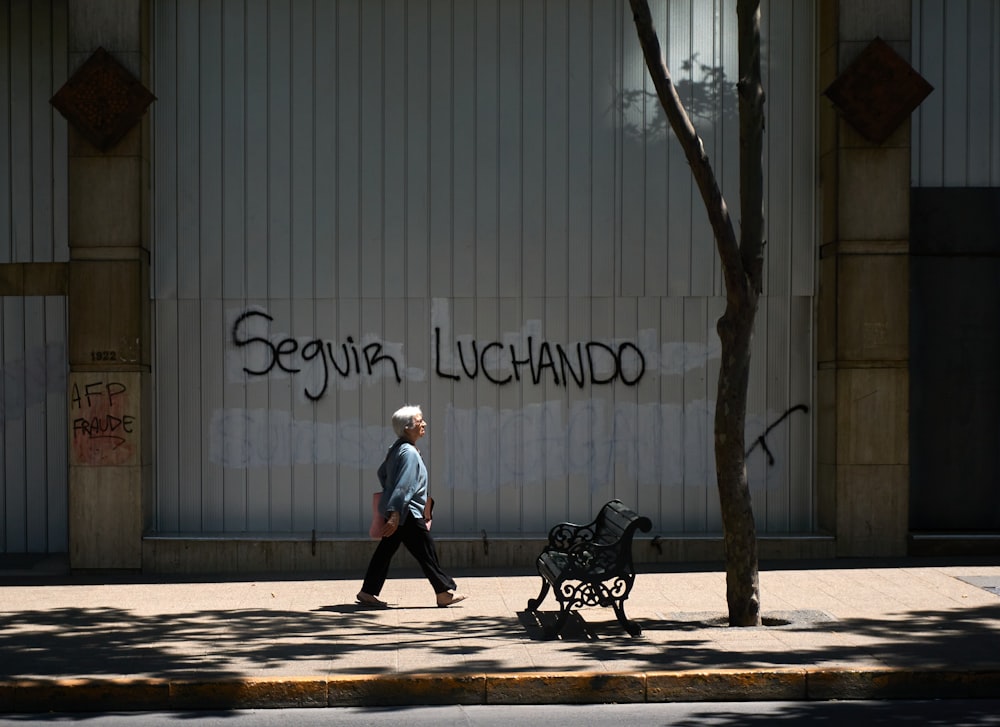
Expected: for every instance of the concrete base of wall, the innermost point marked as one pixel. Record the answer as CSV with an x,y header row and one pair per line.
x,y
953,544
173,555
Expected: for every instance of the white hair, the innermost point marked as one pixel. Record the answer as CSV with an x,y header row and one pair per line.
x,y
402,419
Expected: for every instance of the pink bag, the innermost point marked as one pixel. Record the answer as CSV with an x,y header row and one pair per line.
x,y
378,522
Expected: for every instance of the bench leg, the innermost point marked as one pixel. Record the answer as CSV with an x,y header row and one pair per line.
x,y
553,631
631,626
534,603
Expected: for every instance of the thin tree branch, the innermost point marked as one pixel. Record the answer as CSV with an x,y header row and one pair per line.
x,y
751,102
694,149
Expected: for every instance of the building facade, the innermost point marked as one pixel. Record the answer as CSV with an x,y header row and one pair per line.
x,y
331,209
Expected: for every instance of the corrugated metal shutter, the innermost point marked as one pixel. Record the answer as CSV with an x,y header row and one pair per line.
x,y
33,229
476,207
956,130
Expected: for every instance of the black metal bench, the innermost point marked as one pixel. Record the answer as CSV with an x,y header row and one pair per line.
x,y
591,565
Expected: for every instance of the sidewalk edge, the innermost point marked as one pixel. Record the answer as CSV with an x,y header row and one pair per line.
x,y
784,684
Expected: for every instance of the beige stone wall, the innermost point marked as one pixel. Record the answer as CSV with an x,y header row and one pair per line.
x,y
863,306
108,290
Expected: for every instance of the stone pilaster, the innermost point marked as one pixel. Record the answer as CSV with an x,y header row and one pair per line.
x,y
108,290
863,306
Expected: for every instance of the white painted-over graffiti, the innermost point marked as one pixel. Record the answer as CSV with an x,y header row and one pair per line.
x,y
29,381
484,449
653,443
252,438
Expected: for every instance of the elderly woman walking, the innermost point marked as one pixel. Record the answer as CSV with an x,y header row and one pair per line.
x,y
403,507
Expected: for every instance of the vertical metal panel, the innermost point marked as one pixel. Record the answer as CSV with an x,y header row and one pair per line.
x,y
56,448
42,133
956,130
372,147
605,149
209,58
33,425
211,374
956,108
669,361
303,143
280,261
800,204
510,73
33,211
394,143
19,75
440,187
187,270
33,172
638,109
168,393
512,188
189,441
464,92
418,152
256,152
165,151
6,151
532,151
325,151
487,148
555,134
35,415
231,147
258,416
14,430
579,144
303,432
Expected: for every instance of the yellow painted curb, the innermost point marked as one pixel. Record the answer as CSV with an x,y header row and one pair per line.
x,y
89,695
565,688
406,689
726,685
249,692
891,683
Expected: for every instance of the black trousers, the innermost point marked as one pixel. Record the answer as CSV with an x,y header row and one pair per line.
x,y
419,542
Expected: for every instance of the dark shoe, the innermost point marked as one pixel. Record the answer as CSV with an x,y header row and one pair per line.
x,y
449,599
368,599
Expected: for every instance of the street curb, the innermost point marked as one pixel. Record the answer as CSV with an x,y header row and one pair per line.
x,y
793,684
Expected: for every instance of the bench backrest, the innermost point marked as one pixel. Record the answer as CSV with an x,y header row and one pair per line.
x,y
618,522
615,522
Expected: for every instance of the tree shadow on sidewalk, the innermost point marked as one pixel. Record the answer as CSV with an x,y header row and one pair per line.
x,y
114,642
960,638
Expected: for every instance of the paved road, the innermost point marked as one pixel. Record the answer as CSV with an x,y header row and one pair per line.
x,y
952,713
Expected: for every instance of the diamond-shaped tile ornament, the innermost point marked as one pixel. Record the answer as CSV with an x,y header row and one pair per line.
x,y
878,91
102,100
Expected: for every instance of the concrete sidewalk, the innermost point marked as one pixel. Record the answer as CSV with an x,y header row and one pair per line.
x,y
834,630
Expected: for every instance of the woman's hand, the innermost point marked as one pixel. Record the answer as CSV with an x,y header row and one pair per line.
x,y
391,523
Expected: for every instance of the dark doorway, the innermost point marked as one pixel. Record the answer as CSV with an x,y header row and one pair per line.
x,y
955,361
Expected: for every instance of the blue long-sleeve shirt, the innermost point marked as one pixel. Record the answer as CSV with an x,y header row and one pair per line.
x,y
403,477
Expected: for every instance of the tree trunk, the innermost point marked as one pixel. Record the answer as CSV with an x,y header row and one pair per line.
x,y
742,267
736,332
739,528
